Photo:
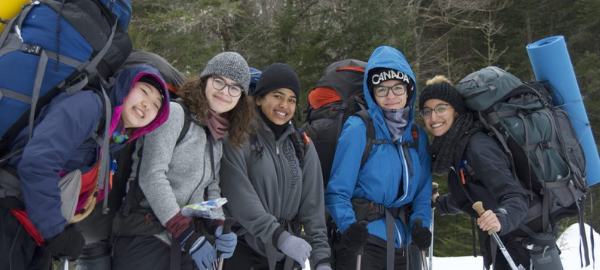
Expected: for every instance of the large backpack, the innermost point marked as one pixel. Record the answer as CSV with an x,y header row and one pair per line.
x,y
324,122
54,46
539,140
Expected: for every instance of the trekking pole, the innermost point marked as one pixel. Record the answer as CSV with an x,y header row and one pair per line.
x,y
359,253
65,263
226,229
478,206
434,190
419,254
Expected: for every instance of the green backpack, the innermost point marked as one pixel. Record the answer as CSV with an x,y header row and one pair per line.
x,y
539,140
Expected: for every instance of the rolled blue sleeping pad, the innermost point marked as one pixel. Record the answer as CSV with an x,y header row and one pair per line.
x,y
550,61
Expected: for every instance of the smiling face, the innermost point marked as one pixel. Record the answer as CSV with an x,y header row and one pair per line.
x,y
278,105
438,124
391,101
141,105
220,101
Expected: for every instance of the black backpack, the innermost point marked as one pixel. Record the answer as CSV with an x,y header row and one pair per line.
x,y
324,124
539,140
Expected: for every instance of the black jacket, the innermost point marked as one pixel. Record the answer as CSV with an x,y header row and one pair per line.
x,y
492,183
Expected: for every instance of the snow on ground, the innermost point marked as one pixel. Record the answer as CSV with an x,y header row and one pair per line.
x,y
568,243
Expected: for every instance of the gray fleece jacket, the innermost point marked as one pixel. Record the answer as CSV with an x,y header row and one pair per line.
x,y
264,185
172,176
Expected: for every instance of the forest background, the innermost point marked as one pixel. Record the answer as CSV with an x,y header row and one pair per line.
x,y
448,37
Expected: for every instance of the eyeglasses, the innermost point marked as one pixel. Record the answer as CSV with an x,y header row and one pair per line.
x,y
440,109
382,91
219,84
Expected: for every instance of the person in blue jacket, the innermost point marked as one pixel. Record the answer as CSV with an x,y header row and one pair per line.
x,y
32,226
384,206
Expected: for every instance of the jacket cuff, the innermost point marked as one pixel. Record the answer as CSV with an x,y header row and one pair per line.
x,y
325,261
179,226
502,216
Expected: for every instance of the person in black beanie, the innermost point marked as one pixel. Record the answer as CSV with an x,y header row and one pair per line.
x,y
460,143
274,184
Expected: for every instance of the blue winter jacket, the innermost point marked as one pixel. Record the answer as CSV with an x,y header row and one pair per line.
x,y
386,177
61,142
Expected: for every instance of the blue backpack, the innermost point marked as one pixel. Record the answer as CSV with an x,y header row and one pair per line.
x,y
54,46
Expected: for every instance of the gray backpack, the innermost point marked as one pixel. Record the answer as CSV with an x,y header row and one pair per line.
x,y
539,140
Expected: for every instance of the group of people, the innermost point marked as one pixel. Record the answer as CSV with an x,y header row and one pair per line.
x,y
245,147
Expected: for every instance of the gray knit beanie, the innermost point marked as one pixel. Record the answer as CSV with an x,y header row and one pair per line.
x,y
231,65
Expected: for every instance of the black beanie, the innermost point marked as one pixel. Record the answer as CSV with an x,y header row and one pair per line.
x,y
379,75
277,76
443,91
152,81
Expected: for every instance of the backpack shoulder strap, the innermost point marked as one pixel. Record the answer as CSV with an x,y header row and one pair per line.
x,y
301,143
186,121
364,115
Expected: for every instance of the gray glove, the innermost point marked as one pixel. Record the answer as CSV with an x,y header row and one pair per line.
x,y
296,248
323,267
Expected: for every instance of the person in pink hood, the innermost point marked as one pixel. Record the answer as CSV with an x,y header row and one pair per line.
x,y
67,137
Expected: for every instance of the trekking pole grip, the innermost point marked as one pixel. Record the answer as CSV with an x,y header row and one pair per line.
x,y
478,206
229,221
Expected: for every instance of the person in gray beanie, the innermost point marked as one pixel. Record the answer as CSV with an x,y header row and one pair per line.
x,y
274,184
477,169
231,65
177,165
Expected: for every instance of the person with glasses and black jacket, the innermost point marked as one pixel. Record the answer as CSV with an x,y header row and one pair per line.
x,y
459,147
177,165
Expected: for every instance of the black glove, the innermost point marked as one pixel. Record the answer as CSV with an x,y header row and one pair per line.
x,y
67,244
356,235
421,236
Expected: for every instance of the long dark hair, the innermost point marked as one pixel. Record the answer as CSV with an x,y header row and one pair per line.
x,y
193,95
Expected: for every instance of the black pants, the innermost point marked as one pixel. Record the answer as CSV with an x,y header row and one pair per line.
x,y
245,258
145,252
18,251
373,258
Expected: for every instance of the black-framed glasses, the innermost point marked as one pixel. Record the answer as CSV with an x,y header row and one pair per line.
x,y
219,84
382,91
439,109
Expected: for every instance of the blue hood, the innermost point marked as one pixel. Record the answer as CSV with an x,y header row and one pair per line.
x,y
388,57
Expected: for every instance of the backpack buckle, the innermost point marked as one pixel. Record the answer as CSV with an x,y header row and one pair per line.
x,y
31,49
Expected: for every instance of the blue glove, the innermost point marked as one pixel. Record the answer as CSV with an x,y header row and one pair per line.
x,y
203,253
296,248
225,243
